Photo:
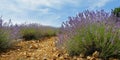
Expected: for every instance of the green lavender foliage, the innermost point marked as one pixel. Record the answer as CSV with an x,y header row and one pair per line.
x,y
29,33
95,38
11,34
89,32
4,40
35,31
7,36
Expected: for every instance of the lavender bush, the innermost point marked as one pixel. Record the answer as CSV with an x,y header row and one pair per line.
x,y
91,31
8,34
36,31
29,32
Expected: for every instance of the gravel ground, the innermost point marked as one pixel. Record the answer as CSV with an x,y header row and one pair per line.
x,y
41,50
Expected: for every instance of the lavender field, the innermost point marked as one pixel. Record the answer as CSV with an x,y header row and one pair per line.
x,y
92,34
10,33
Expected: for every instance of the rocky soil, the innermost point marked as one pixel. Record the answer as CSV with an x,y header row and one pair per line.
x,y
41,50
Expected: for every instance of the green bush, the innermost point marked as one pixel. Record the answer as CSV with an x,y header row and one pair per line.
x,y
29,33
5,41
95,37
91,31
116,11
48,32
37,32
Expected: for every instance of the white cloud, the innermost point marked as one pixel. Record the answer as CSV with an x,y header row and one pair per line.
x,y
21,5
36,5
19,10
7,5
98,3
48,3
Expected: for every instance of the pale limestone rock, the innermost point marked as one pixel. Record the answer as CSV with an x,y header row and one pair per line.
x,y
81,55
34,46
95,54
74,58
61,58
88,57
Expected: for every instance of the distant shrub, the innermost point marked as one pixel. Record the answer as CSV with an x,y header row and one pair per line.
x,y
29,34
36,31
49,31
89,32
116,11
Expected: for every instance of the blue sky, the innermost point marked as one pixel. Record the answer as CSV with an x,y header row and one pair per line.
x,y
50,12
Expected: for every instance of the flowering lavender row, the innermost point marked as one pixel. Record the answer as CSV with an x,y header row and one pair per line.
x,y
85,18
91,31
36,31
8,34
11,33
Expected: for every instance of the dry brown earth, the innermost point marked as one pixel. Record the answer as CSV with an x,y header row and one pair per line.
x,y
39,50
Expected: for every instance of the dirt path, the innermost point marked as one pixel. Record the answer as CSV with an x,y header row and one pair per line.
x,y
33,50
39,50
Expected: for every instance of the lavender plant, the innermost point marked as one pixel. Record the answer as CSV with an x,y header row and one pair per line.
x,y
8,34
91,31
36,31
29,32
3,40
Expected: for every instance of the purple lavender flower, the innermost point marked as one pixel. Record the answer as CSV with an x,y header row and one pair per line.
x,y
91,31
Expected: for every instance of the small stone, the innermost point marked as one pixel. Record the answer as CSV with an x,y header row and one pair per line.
x,y
32,41
57,54
66,55
81,59
3,55
24,53
78,58
88,57
34,46
74,58
28,55
81,55
18,49
32,58
63,47
54,49
44,58
61,58
95,54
